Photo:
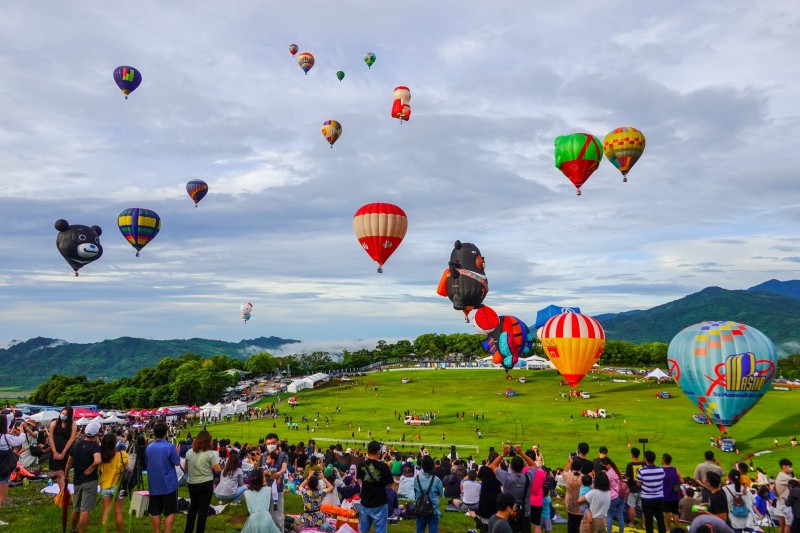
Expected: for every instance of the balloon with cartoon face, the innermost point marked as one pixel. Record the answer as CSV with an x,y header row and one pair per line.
x,y
465,281
79,245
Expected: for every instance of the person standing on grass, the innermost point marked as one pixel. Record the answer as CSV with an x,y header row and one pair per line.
x,y
277,476
651,482
672,491
599,500
374,476
634,497
63,432
114,464
162,483
85,459
201,464
782,511
431,485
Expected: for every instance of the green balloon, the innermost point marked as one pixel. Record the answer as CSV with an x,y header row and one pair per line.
x,y
340,75
369,59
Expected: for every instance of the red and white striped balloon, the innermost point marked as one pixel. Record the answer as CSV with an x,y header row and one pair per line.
x,y
573,342
380,229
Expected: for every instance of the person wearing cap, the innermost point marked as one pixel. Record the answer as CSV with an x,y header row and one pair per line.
x,y
85,458
374,476
332,475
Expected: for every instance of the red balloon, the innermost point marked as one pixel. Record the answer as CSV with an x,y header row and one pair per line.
x,y
380,229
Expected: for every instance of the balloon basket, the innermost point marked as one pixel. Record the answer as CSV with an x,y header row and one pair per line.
x,y
137,254
76,273
380,270
126,97
625,179
579,192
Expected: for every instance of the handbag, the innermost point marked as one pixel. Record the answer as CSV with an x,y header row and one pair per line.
x,y
127,480
8,460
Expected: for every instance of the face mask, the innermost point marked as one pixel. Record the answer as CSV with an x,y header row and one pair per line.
x,y
63,417
271,447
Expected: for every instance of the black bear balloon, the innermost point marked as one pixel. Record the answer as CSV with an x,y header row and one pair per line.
x,y
465,282
80,245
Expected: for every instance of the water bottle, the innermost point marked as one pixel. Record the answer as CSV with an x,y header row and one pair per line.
x,y
49,482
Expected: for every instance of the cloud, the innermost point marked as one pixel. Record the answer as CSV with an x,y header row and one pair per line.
x,y
713,200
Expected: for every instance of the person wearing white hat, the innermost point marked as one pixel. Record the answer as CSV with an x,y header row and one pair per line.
x,y
85,459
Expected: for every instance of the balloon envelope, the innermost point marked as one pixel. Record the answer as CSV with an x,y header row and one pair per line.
x,y
127,78
306,61
331,130
508,341
197,190
723,367
573,342
139,226
369,59
293,48
380,229
578,155
543,315
401,107
246,308
340,75
623,147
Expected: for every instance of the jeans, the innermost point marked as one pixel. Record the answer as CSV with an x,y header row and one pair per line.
x,y
431,523
236,498
276,511
374,516
616,511
200,498
653,509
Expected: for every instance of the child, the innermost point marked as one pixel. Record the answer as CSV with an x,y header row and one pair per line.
x,y
586,486
272,465
547,502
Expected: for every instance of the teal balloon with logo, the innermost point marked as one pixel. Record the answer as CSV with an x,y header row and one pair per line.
x,y
723,367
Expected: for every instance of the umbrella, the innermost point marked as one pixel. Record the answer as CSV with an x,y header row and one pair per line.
x,y
45,416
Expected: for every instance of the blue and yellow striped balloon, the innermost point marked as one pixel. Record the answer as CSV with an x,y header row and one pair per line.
x,y
139,226
723,367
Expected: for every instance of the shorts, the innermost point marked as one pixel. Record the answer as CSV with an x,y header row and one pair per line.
x,y
547,524
4,480
536,515
85,497
785,511
634,500
467,506
671,507
166,504
109,493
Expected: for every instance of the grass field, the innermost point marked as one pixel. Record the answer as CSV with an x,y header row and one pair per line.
x,y
539,415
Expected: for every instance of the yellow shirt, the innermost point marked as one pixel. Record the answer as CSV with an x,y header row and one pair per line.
x,y
111,472
745,480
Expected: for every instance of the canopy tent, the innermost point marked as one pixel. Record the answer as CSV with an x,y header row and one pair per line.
x,y
240,406
45,416
657,373
299,384
83,422
113,419
82,412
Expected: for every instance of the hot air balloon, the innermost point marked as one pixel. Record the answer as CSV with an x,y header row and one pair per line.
x,y
723,367
623,147
369,59
197,190
306,61
543,315
484,320
293,48
577,156
78,245
464,281
139,226
508,341
340,75
380,229
401,108
331,130
127,78
246,309
573,342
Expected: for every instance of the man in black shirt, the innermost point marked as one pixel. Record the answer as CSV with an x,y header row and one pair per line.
x,y
375,475
717,500
85,458
631,472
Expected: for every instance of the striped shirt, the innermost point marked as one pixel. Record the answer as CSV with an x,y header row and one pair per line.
x,y
652,479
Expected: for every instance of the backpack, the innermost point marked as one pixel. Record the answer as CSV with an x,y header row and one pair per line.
x,y
423,507
738,507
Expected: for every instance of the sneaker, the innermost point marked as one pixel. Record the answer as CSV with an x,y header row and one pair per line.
x,y
3,523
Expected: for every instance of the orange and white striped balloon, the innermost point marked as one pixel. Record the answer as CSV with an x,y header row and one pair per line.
x,y
573,342
380,229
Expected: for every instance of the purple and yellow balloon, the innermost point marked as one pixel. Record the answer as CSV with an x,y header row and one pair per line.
x,y
127,78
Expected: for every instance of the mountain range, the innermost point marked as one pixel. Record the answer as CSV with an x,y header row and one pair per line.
x,y
772,307
25,364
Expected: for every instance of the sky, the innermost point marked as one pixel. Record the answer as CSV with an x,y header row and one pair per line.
x,y
713,201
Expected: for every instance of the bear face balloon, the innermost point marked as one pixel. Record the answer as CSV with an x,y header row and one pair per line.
x,y
79,245
465,281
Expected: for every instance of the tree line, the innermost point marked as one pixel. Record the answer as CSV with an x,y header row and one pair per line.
x,y
192,379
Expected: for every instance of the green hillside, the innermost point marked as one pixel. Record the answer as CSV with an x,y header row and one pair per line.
x,y
775,315
34,361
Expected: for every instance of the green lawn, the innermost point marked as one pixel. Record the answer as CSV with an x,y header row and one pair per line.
x,y
537,416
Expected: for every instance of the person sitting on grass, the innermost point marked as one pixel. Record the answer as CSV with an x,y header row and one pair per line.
x,y
231,482
313,495
405,490
259,500
470,493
